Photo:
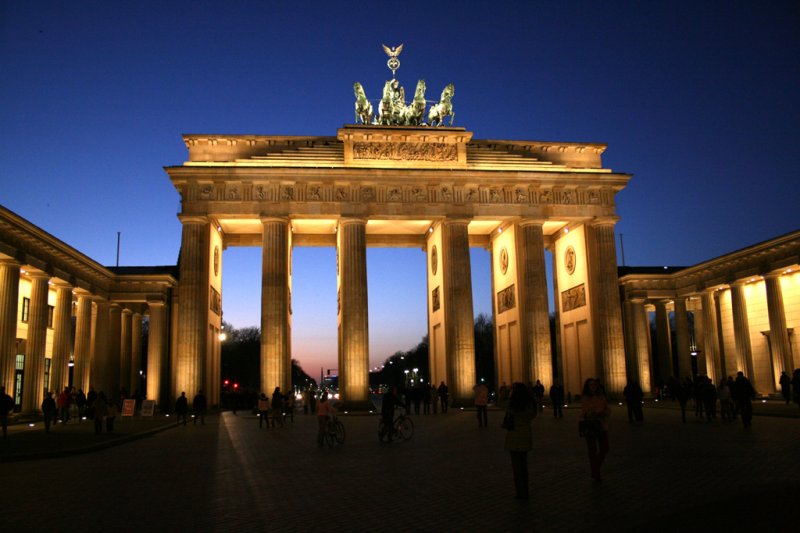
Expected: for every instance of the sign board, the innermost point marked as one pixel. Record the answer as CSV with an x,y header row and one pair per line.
x,y
148,407
128,407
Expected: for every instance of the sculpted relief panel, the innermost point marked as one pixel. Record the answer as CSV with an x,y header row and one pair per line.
x,y
400,151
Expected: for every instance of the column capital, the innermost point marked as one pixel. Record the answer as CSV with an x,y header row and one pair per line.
x,y
37,274
155,302
265,219
126,311
603,221
9,261
447,221
193,219
531,222
343,221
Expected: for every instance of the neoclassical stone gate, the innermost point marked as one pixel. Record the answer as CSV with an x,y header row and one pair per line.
x,y
436,189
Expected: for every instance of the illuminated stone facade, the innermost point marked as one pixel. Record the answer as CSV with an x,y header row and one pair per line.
x,y
738,312
435,189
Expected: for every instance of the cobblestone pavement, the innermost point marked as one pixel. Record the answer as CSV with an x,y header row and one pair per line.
x,y
452,476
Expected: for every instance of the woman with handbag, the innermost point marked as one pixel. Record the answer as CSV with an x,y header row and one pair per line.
x,y
519,438
593,425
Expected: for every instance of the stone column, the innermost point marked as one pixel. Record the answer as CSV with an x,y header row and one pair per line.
x,y
459,320
33,379
275,356
125,349
114,352
710,339
354,312
9,300
559,350
83,338
640,344
99,374
193,294
156,351
741,330
779,335
533,293
62,339
136,354
664,341
682,338
606,312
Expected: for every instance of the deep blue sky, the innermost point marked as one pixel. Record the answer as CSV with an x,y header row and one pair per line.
x,y
699,100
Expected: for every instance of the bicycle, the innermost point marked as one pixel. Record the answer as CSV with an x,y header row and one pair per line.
x,y
402,427
335,434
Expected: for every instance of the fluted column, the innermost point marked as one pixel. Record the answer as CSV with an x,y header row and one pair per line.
x,y
779,335
193,294
607,313
83,337
9,300
136,353
275,356
640,344
741,330
114,345
710,339
459,320
156,351
664,341
62,339
534,300
125,349
682,338
33,379
354,312
99,374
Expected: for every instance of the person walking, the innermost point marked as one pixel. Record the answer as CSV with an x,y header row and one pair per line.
x,y
443,396
100,410
557,397
277,406
263,410
199,404
64,400
519,436
595,412
181,408
682,393
633,398
786,387
6,406
49,411
388,401
481,402
538,394
743,394
324,412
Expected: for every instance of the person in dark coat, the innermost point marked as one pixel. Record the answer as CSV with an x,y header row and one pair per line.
x,y
6,406
786,387
277,406
443,396
200,404
181,408
519,437
100,410
387,413
538,394
633,398
557,397
49,409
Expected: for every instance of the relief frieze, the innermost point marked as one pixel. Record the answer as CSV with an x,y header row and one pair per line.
x,y
506,299
405,151
573,298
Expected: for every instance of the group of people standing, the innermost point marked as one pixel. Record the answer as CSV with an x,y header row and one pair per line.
x,y
199,406
275,410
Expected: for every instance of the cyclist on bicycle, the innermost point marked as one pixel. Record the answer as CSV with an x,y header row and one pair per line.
x,y
387,413
325,410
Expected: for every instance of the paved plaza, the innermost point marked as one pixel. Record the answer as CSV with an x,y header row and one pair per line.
x,y
452,476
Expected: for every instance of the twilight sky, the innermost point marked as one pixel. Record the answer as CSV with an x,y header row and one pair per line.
x,y
698,100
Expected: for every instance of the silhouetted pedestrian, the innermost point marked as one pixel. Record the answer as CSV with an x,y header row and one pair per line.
x,y
100,410
682,393
277,406
263,410
743,394
538,394
49,411
111,416
199,405
444,396
557,398
481,402
519,436
633,399
388,401
324,412
595,410
786,387
6,406
181,408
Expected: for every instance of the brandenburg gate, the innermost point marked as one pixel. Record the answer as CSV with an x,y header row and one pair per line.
x,y
433,188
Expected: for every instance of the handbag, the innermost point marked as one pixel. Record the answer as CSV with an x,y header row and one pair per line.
x,y
508,421
589,428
